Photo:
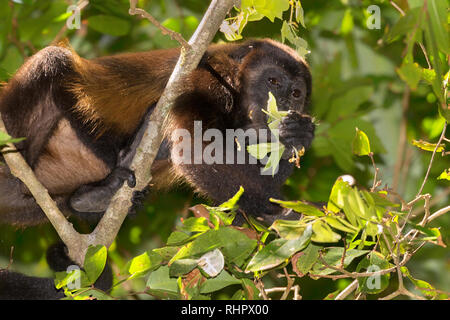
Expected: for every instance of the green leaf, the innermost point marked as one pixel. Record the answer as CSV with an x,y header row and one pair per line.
x,y
427,289
361,144
347,102
160,281
445,175
323,233
437,12
141,264
89,294
333,257
427,146
289,229
6,138
76,277
166,252
306,261
224,279
411,73
357,205
299,13
270,8
380,199
194,224
178,238
405,24
277,251
347,22
235,245
338,193
110,25
182,266
95,261
274,158
300,207
374,284
250,290
232,203
260,150
340,224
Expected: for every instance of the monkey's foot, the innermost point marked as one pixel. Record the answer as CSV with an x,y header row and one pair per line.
x,y
95,197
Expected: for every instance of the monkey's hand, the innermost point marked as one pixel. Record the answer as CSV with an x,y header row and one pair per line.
x,y
95,197
296,131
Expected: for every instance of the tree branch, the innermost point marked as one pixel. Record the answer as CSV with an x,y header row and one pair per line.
x,y
21,170
108,227
144,14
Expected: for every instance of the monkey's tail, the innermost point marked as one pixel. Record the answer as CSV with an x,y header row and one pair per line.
x,y
17,286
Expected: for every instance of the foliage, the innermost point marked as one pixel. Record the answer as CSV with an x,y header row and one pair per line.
x,y
381,95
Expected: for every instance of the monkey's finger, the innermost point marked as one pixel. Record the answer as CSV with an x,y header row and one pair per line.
x,y
131,180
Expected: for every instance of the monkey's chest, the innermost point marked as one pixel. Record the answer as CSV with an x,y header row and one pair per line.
x,y
66,163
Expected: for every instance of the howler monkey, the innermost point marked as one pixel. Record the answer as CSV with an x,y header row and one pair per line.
x,y
80,118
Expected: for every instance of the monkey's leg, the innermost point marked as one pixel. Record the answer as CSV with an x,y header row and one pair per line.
x,y
17,205
32,102
95,197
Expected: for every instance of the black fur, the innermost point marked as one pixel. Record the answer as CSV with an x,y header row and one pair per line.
x,y
16,286
227,91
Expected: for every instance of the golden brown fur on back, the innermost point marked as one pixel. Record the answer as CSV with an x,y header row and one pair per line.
x,y
115,92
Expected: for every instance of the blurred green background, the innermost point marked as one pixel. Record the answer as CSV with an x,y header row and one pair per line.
x,y
355,84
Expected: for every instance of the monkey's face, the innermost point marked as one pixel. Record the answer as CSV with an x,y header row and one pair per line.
x,y
280,72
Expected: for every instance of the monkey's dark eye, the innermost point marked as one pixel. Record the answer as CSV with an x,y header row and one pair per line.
x,y
273,81
296,93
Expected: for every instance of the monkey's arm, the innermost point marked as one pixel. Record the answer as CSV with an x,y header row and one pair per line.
x,y
222,181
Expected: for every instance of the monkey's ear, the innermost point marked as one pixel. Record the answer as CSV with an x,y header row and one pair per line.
x,y
223,64
242,51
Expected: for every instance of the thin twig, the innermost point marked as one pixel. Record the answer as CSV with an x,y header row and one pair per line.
x,y
21,170
397,7
432,159
438,213
349,289
376,183
290,282
144,14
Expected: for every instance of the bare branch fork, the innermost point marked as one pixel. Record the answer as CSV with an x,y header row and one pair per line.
x,y
109,225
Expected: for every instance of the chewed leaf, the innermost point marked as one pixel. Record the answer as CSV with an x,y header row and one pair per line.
x,y
232,203
272,109
260,151
274,159
212,262
427,146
